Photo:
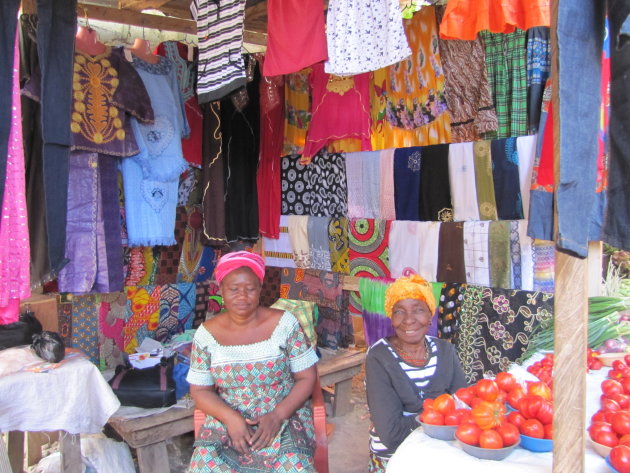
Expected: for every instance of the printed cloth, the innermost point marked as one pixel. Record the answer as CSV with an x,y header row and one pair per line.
x,y
326,185
339,245
413,248
476,252
379,42
506,64
143,315
376,324
515,255
435,190
408,106
334,327
450,311
461,171
253,379
371,177
466,88
544,256
407,163
292,283
297,116
298,234
451,266
340,109
505,175
484,182
526,148
324,288
495,327
538,71
386,181
319,250
499,250
187,296
279,252
169,310
168,265
270,291
151,257
110,329
187,181
295,197
209,259
526,244
192,251
64,320
305,312
85,318
369,252
207,301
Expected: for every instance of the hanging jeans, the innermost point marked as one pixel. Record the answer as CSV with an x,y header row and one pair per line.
x,y
55,46
8,24
616,225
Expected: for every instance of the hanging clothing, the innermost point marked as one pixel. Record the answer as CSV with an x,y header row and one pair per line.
x,y
526,244
298,234
538,70
221,69
526,148
450,265
297,115
340,109
186,75
339,245
466,88
476,253
484,182
278,252
319,252
435,190
407,162
499,252
409,106
326,185
463,19
364,36
504,154
544,256
296,36
387,193
413,248
14,242
461,172
506,64
363,177
295,197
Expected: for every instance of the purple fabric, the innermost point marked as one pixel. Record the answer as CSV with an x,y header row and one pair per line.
x,y
111,219
433,329
376,326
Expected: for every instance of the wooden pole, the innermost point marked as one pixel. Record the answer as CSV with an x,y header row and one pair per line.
x,y
570,321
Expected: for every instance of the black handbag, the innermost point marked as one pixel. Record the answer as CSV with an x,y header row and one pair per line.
x,y
147,387
20,332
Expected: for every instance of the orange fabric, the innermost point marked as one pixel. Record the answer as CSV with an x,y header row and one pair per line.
x,y
463,19
409,287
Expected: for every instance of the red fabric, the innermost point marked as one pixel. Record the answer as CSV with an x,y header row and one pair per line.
x,y
238,259
268,180
545,169
334,115
296,36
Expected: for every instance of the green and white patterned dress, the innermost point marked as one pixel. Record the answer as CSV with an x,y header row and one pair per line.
x,y
253,379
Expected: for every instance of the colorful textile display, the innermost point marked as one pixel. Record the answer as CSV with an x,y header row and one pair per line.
x,y
526,244
297,115
324,288
151,257
168,265
292,283
435,190
466,88
169,310
544,256
506,64
192,251
334,327
298,234
526,147
495,327
326,185
270,291
449,311
278,252
538,71
187,296
376,324
64,320
209,259
319,251
110,329
499,250
143,315
476,252
484,182
339,245
461,171
409,107
505,175
451,266
515,255
207,301
295,197
85,320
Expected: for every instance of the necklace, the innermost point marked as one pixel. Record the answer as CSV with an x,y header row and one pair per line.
x,y
411,358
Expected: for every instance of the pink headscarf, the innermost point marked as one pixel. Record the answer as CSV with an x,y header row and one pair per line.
x,y
238,259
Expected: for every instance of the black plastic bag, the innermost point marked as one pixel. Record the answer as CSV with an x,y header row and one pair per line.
x,y
20,332
147,387
49,346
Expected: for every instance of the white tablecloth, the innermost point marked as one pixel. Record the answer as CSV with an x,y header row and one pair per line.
x,y
73,397
420,449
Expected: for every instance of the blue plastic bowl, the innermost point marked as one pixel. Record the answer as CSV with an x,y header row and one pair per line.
x,y
610,464
536,445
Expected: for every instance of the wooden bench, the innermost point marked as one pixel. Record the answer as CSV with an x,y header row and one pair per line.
x,y
337,368
148,435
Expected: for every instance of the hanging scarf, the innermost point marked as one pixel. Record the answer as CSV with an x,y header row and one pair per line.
x,y
461,169
449,311
326,185
407,183
339,245
319,251
484,182
526,147
499,249
294,198
298,234
476,253
435,189
506,179
451,267
386,192
544,263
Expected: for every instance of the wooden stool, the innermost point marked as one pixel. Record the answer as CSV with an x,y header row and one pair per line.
x,y
338,368
148,435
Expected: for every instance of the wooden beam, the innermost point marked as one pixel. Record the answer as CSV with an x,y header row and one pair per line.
x,y
139,5
183,13
255,37
130,17
595,267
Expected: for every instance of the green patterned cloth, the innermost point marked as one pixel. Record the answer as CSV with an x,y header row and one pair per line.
x,y
506,64
499,252
484,181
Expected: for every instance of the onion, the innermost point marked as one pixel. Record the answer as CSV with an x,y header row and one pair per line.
x,y
613,345
625,317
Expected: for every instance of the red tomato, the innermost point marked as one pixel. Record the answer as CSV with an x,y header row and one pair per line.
x,y
515,395
621,422
545,413
539,388
615,374
465,395
516,418
620,458
467,417
427,404
622,399
609,439
533,428
530,405
624,440
619,365
597,427
609,405
490,439
509,433
611,386
431,416
626,360
505,381
549,431
487,389
454,417
476,401
596,365
625,382
468,433
599,416
444,403
488,415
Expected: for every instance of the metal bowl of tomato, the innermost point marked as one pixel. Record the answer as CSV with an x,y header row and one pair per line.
x,y
534,444
440,432
488,453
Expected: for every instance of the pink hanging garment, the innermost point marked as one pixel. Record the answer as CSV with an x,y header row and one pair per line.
x,y
14,242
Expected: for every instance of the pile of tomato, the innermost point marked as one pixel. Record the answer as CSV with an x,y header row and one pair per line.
x,y
610,425
543,369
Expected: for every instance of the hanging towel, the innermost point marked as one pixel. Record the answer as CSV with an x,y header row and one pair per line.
x,y
407,183
544,263
386,192
435,190
339,245
483,181
499,249
476,255
451,267
526,147
319,250
461,169
526,244
278,252
506,179
298,234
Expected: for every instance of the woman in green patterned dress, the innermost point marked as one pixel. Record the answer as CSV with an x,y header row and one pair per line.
x,y
252,372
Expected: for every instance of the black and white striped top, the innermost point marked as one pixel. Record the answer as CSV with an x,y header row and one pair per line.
x,y
419,375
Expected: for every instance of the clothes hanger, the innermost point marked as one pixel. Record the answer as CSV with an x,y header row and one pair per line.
x,y
86,39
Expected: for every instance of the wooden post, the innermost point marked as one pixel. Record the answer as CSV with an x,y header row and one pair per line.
x,y
595,264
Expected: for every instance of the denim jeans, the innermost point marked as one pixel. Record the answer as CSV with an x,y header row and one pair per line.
x,y
580,36
55,45
617,221
8,25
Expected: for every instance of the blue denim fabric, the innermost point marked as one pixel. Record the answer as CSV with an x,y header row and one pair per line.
x,y
55,45
580,35
616,229
8,25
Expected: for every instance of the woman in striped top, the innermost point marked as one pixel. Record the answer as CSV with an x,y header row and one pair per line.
x,y
405,369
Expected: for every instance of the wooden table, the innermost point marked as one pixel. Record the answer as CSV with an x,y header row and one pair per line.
x,y
338,367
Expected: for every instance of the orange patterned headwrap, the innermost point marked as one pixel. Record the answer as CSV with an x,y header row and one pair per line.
x,y
409,287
